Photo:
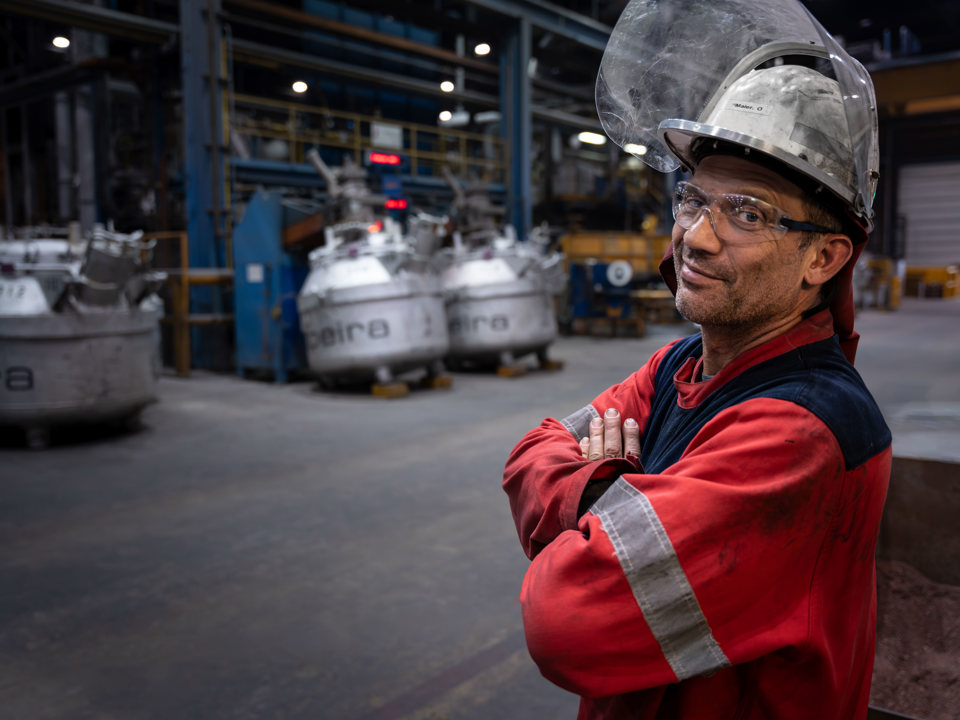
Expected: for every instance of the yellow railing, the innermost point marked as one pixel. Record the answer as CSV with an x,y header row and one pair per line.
x,y
172,257
259,121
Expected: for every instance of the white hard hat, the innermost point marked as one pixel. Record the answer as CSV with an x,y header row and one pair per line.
x,y
791,113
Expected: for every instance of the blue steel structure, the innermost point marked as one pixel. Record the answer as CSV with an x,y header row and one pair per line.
x,y
204,167
518,124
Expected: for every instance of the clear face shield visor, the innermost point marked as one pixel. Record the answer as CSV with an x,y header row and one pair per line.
x,y
673,60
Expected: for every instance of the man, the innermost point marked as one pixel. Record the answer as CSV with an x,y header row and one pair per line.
x,y
703,533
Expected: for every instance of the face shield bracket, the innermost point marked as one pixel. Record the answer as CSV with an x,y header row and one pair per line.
x,y
770,51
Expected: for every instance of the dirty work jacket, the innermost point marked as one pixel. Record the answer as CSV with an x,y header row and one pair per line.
x,y
729,573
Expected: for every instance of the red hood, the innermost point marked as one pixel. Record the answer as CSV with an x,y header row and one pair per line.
x,y
842,308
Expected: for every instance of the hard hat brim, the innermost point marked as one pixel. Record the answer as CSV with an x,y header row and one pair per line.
x,y
679,136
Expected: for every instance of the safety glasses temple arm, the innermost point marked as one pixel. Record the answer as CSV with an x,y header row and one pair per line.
x,y
803,226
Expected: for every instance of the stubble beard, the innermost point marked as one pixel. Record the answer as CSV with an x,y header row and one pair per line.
x,y
723,306
721,311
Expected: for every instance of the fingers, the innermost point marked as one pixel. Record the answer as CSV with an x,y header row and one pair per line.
x,y
608,439
612,446
595,440
631,437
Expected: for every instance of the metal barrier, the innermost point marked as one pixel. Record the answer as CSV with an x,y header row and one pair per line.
x,y
429,148
180,278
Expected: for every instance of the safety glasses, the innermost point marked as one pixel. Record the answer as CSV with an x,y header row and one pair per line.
x,y
735,218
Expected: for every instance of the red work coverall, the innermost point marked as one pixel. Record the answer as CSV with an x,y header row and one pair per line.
x,y
736,579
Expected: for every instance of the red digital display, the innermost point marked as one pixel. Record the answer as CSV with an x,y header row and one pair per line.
x,y
380,158
395,204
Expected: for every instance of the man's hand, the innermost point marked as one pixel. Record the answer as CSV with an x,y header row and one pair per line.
x,y
607,439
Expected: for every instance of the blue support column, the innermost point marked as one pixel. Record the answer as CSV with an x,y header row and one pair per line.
x,y
203,158
517,123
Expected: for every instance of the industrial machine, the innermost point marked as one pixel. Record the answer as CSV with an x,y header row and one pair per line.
x,y
499,292
601,290
372,306
79,329
614,280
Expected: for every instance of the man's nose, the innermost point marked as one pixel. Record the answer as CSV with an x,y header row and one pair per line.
x,y
703,235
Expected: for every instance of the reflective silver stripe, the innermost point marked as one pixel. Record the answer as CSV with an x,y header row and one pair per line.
x,y
579,423
658,582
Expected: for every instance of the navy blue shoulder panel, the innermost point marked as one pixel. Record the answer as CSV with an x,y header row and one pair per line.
x,y
816,377
688,347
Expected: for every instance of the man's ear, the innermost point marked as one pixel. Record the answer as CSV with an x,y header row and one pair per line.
x,y
831,253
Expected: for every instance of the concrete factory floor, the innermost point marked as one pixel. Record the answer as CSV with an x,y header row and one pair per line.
x,y
275,551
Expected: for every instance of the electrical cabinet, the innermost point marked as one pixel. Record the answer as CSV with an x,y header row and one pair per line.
x,y
267,277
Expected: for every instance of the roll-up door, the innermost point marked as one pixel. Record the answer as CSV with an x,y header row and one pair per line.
x,y
928,198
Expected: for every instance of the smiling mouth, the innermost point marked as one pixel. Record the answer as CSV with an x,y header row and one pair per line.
x,y
695,272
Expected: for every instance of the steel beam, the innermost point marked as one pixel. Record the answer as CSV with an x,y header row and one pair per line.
x,y
201,149
96,18
203,153
554,19
517,122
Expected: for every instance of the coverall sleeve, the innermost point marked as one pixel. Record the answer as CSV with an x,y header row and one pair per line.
x,y
546,473
707,564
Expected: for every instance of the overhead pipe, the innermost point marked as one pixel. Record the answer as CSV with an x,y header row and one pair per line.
x,y
353,45
301,19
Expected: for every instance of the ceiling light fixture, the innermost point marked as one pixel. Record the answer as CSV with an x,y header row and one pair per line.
x,y
299,86
447,86
635,149
457,118
481,49
61,42
592,138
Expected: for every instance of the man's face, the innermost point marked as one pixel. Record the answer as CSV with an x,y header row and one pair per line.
x,y
748,287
